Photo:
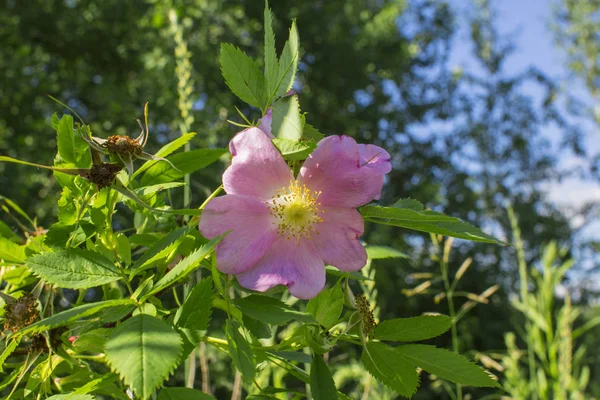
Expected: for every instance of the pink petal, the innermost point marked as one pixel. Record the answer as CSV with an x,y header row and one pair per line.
x,y
298,266
337,242
347,174
251,233
257,168
374,157
265,123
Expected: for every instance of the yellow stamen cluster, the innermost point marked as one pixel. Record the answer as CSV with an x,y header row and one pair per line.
x,y
296,211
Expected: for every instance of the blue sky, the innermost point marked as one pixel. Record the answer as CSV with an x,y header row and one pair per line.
x,y
528,22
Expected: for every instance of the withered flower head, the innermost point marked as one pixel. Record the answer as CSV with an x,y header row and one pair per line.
x,y
39,344
21,313
124,147
103,174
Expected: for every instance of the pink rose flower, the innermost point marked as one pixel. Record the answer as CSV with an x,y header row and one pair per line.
x,y
284,230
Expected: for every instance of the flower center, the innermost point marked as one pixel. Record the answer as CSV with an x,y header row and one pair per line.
x,y
296,211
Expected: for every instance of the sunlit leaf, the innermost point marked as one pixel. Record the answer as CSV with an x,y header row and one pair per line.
x,y
389,368
413,329
446,365
144,351
74,268
243,76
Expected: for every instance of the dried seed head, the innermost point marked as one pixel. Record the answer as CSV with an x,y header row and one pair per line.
x,y
103,174
39,344
123,146
21,313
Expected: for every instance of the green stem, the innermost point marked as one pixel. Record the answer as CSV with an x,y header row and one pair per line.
x,y
450,296
524,284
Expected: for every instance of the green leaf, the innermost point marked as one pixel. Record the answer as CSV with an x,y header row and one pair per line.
x,y
355,275
16,161
271,62
197,308
327,306
185,163
381,252
310,132
74,314
389,368
92,341
409,203
259,329
71,396
425,221
8,350
11,252
181,393
58,234
242,76
147,192
66,139
288,63
413,329
186,266
159,250
322,386
123,248
144,351
270,310
164,151
74,268
240,351
41,373
446,365
293,149
7,233
287,121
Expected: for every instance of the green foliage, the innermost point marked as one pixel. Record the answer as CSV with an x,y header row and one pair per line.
x,y
322,386
287,121
11,252
551,366
413,329
327,306
143,350
179,393
270,310
243,76
72,149
181,164
279,72
74,268
391,369
186,266
445,364
240,351
196,310
424,221
74,314
293,149
165,151
382,252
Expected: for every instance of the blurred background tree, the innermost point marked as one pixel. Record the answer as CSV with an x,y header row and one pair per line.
x,y
464,142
